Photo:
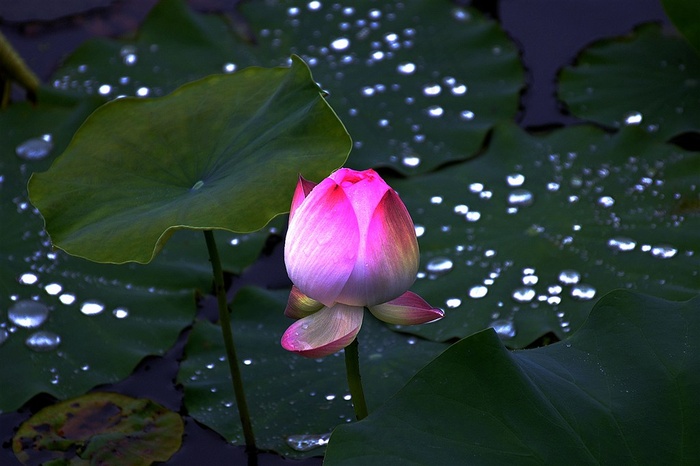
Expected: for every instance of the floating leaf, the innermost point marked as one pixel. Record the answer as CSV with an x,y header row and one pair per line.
x,y
405,105
527,236
135,310
648,80
221,153
288,396
622,388
99,428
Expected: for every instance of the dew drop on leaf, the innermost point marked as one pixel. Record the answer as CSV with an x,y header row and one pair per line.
x,y
28,313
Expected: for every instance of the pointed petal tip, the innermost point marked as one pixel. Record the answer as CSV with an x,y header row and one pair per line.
x,y
407,309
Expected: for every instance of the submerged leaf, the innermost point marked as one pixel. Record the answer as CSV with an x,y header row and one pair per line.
x,y
99,428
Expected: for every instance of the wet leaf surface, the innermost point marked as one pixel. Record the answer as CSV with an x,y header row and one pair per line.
x,y
648,80
527,237
99,428
620,389
289,395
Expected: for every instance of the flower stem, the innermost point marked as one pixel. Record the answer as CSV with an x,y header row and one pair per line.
x,y
352,366
225,322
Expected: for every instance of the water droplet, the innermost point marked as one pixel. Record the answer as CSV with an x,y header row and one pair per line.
x,y
473,216
552,186
91,308
28,278
406,68
439,266
43,341
620,243
314,5
503,328
3,335
569,277
524,294
520,198
35,148
197,185
104,89
411,161
514,180
340,44
128,54
247,362
554,289
461,209
459,90
476,187
633,118
453,302
67,298
420,230
28,313
583,292
143,91
466,115
307,442
663,251
436,200
120,313
432,90
606,201
529,280
435,111
478,291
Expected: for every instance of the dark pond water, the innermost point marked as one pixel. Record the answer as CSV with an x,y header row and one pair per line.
x,y
549,33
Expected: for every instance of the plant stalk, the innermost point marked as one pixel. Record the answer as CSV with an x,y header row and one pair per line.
x,y
225,321
352,367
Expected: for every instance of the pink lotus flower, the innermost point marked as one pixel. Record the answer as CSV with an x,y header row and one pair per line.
x,y
350,244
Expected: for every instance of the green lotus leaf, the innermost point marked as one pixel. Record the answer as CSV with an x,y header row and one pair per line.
x,y
99,428
417,83
649,80
621,390
526,237
684,15
292,400
224,152
135,310
405,105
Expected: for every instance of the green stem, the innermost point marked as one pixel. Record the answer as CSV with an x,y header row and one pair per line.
x,y
225,321
352,366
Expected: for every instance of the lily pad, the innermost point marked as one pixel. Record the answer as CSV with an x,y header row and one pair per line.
x,y
221,153
99,428
620,389
135,310
292,400
405,105
527,236
647,80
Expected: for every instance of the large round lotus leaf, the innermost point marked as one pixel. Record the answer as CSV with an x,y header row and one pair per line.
x,y
527,236
649,80
292,400
99,428
622,390
417,83
144,308
224,152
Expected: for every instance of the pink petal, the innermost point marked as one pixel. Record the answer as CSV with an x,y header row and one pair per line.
x,y
365,190
299,305
302,190
325,332
388,257
322,243
407,309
